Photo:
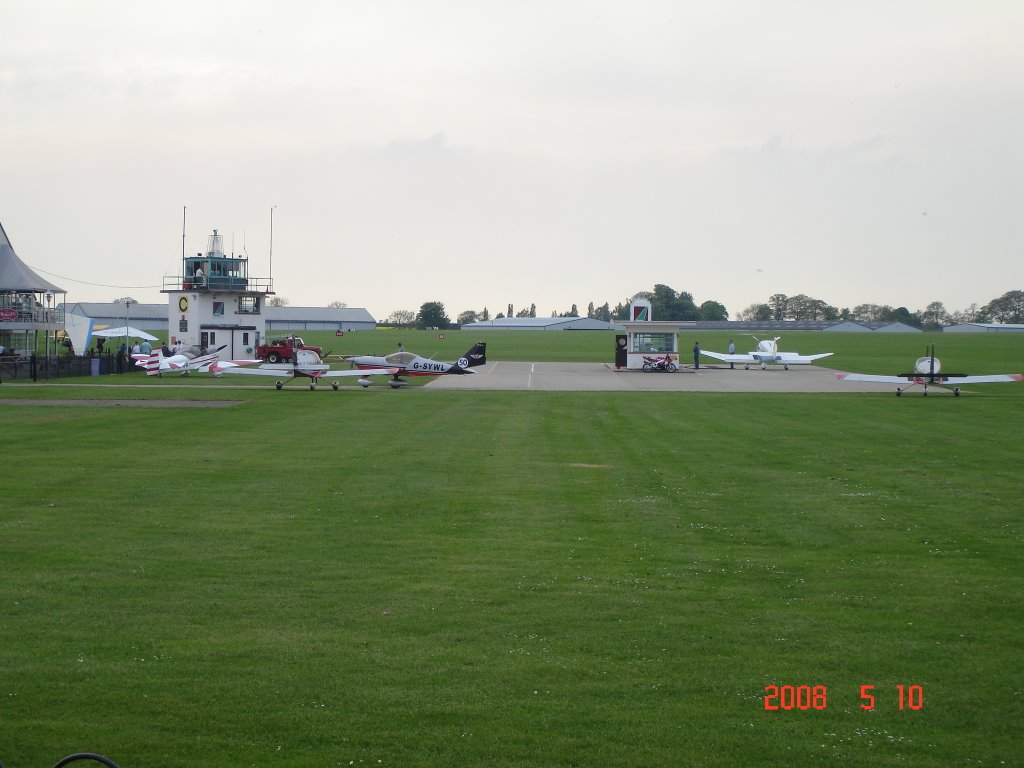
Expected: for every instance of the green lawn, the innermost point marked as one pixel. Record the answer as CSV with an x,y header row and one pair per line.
x,y
426,578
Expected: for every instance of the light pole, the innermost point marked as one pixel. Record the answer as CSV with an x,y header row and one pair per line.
x,y
272,247
49,299
128,301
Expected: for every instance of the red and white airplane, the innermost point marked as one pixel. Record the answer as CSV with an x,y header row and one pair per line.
x,y
191,359
307,364
927,370
410,364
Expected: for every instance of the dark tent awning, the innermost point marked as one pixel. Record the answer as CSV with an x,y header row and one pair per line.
x,y
15,276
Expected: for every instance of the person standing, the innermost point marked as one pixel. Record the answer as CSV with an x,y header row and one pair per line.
x,y
696,355
732,351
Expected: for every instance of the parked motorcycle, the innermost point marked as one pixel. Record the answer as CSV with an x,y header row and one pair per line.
x,y
665,363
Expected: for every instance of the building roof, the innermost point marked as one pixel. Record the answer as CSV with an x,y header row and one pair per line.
x,y
539,323
985,328
140,313
318,314
15,276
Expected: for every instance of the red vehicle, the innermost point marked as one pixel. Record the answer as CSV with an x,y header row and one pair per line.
x,y
665,363
281,350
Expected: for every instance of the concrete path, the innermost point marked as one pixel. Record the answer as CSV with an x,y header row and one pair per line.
x,y
602,377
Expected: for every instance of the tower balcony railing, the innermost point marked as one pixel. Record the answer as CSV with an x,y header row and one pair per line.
x,y
215,283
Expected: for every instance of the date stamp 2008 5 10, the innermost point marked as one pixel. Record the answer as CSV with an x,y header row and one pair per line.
x,y
806,697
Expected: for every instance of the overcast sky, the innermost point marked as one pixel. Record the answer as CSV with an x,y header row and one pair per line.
x,y
485,153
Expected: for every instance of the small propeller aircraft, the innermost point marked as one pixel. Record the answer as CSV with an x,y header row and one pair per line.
x,y
927,370
308,364
156,363
410,364
767,352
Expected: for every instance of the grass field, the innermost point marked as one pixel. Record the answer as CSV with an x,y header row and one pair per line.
x,y
425,578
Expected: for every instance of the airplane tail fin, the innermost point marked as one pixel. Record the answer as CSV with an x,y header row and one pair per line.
x,y
477,355
151,362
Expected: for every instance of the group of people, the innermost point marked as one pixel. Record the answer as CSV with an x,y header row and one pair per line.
x,y
696,353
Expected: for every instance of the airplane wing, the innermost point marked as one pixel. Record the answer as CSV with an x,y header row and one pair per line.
x,y
792,358
990,379
745,358
358,372
264,370
939,378
878,379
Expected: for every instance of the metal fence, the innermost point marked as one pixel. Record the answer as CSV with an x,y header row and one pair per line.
x,y
43,368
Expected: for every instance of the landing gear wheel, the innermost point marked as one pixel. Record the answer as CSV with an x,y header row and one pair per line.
x,y
334,386
956,391
898,391
785,367
312,386
746,367
279,384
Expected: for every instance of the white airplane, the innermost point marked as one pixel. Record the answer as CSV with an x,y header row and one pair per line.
x,y
307,363
767,352
927,371
192,359
410,364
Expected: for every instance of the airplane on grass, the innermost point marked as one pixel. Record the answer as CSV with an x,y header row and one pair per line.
x,y
927,370
307,363
192,359
409,364
767,352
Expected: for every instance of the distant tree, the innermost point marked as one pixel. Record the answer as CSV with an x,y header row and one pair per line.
x,y
604,312
712,310
499,316
621,311
533,310
779,305
337,305
401,318
467,317
664,303
277,301
485,315
572,312
969,315
1008,308
756,313
803,307
590,309
686,307
509,314
432,315
867,313
934,316
523,313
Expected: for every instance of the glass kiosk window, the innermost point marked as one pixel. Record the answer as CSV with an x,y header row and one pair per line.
x,y
653,342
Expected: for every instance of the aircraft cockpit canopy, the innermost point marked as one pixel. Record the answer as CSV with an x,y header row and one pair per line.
x,y
400,358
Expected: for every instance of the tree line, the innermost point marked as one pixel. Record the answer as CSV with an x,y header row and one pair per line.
x,y
671,305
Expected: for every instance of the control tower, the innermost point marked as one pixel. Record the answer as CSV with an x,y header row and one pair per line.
x,y
214,302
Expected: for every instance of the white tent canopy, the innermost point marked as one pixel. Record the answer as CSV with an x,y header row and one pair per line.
x,y
134,333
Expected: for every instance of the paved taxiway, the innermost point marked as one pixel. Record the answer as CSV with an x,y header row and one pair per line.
x,y
602,377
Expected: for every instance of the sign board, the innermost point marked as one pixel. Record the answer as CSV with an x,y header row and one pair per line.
x,y
7,314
